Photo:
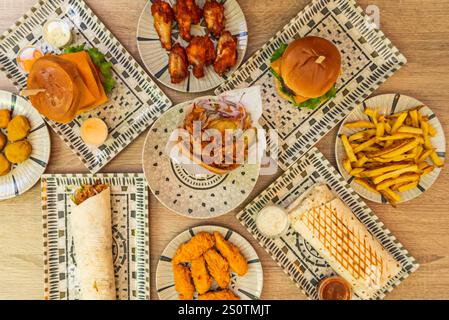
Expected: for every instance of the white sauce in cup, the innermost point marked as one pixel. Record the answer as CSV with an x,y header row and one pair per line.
x,y
272,221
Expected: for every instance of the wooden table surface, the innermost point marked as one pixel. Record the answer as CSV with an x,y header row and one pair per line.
x,y
418,28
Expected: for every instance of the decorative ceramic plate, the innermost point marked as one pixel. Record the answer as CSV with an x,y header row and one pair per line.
x,y
25,175
190,195
368,59
155,57
389,104
129,201
133,105
248,287
298,259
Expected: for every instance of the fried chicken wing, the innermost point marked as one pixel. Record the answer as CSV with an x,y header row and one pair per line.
x,y
187,12
214,16
201,278
232,254
200,53
194,248
218,268
219,295
183,282
178,64
163,21
226,53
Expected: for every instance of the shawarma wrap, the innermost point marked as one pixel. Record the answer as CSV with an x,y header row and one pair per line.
x,y
92,233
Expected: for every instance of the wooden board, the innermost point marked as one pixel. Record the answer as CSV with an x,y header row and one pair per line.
x,y
421,225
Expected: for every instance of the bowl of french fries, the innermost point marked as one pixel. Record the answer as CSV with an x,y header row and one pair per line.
x,y
391,149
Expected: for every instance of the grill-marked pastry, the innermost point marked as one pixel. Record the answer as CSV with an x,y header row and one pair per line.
x,y
345,243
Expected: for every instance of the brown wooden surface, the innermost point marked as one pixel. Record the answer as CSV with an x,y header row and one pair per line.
x,y
418,28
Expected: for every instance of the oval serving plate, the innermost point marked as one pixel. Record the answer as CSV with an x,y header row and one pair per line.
x,y
185,193
155,57
388,104
248,287
24,176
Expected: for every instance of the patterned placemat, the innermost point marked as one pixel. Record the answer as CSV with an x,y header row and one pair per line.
x,y
133,105
129,204
298,259
368,59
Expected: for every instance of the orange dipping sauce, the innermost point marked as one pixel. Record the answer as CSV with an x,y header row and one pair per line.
x,y
335,288
27,56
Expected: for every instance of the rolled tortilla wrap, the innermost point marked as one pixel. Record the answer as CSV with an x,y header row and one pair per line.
x,y
92,234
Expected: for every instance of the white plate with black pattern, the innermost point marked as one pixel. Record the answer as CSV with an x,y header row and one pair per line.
x,y
248,287
134,104
24,176
187,194
130,237
368,59
388,104
155,57
305,267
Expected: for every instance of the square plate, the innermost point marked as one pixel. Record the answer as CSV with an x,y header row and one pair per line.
x,y
135,103
368,59
129,200
298,259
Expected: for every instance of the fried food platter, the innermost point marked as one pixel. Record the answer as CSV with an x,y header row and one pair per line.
x,y
427,169
156,57
247,287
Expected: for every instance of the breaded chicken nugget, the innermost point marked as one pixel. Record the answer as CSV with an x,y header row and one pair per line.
x,y
232,254
183,282
194,248
218,268
201,278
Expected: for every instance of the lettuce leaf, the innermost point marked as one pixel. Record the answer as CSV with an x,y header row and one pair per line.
x,y
279,52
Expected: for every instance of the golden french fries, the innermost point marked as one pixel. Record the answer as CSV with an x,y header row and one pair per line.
x,y
391,153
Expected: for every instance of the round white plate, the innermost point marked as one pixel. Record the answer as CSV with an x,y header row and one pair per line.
x,y
23,176
187,194
389,104
155,57
248,287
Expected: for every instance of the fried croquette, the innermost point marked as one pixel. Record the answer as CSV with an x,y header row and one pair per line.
x,y
18,128
5,165
18,152
3,141
232,254
5,118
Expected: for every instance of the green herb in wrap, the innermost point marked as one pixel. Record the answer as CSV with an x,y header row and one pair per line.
x,y
99,60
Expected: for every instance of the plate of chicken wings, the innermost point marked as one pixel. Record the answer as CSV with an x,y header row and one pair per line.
x,y
192,45
209,263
